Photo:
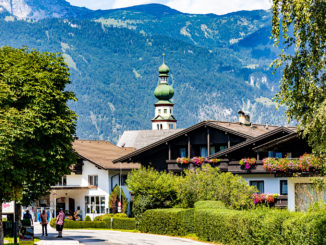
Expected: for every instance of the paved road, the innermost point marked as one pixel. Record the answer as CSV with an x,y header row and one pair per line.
x,y
108,237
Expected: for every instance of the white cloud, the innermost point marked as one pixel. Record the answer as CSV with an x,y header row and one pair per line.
x,y
187,6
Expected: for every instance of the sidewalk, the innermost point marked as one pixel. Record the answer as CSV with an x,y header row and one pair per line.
x,y
51,239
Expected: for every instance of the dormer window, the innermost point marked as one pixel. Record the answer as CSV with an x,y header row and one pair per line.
x,y
165,111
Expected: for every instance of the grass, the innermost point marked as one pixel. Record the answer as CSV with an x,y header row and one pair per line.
x,y
10,240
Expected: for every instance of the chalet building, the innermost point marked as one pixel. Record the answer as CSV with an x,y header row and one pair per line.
x,y
165,147
91,181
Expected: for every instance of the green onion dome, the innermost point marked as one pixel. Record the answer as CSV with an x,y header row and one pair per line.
x,y
164,92
164,69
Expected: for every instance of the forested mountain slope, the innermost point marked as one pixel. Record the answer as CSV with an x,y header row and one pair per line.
x,y
218,64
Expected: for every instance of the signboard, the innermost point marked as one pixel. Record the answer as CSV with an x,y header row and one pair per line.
x,y
26,235
8,207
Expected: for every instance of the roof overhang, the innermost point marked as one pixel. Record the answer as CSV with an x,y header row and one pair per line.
x,y
251,141
70,187
127,157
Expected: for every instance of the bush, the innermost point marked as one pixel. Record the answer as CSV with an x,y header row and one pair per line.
x,y
124,223
175,221
87,218
97,218
53,222
308,228
114,199
209,205
120,215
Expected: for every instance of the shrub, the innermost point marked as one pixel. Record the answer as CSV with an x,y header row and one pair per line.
x,y
53,222
114,199
209,205
152,189
97,218
208,183
308,228
175,221
124,223
120,215
87,218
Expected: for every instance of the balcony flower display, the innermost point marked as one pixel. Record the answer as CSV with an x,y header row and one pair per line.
x,y
183,160
305,163
248,163
213,160
198,160
264,198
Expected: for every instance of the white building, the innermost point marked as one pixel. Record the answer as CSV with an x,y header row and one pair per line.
x,y
92,179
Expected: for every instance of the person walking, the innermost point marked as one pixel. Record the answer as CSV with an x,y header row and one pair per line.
x,y
60,223
44,223
27,218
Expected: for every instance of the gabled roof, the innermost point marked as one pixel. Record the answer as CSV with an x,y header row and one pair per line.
x,y
101,153
141,138
253,141
235,128
278,141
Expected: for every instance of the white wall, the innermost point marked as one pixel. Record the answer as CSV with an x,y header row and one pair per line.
x,y
271,183
82,181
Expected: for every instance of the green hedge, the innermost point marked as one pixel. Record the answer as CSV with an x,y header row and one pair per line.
x,y
209,205
260,226
118,223
174,221
124,223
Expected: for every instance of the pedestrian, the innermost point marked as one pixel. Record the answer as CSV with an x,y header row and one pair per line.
x,y
60,222
27,218
44,223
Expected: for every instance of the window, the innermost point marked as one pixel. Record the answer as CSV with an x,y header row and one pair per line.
x,y
170,111
63,181
161,126
278,155
165,111
212,150
170,126
95,204
284,187
93,180
158,126
271,154
159,111
259,184
289,155
222,147
123,179
203,151
182,152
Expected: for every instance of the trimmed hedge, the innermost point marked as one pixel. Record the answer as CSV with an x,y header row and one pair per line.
x,y
118,223
209,205
260,226
174,221
124,223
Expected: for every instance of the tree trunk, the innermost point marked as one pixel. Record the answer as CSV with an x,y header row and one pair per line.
x,y
1,226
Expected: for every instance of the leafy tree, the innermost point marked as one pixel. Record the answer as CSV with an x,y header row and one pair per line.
x,y
301,27
208,183
36,125
152,189
114,199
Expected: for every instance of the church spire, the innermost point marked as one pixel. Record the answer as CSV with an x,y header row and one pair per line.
x,y
164,118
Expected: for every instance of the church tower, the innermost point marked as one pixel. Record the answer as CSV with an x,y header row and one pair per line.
x,y
164,118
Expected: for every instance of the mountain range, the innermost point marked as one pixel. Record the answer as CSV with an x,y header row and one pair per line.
x,y
218,63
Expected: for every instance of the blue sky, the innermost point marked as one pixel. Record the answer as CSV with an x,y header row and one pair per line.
x,y
187,6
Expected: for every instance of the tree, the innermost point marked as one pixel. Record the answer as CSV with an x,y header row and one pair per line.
x,y
301,27
209,183
36,124
114,199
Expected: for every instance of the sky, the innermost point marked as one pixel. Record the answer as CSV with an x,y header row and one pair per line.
x,y
186,6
